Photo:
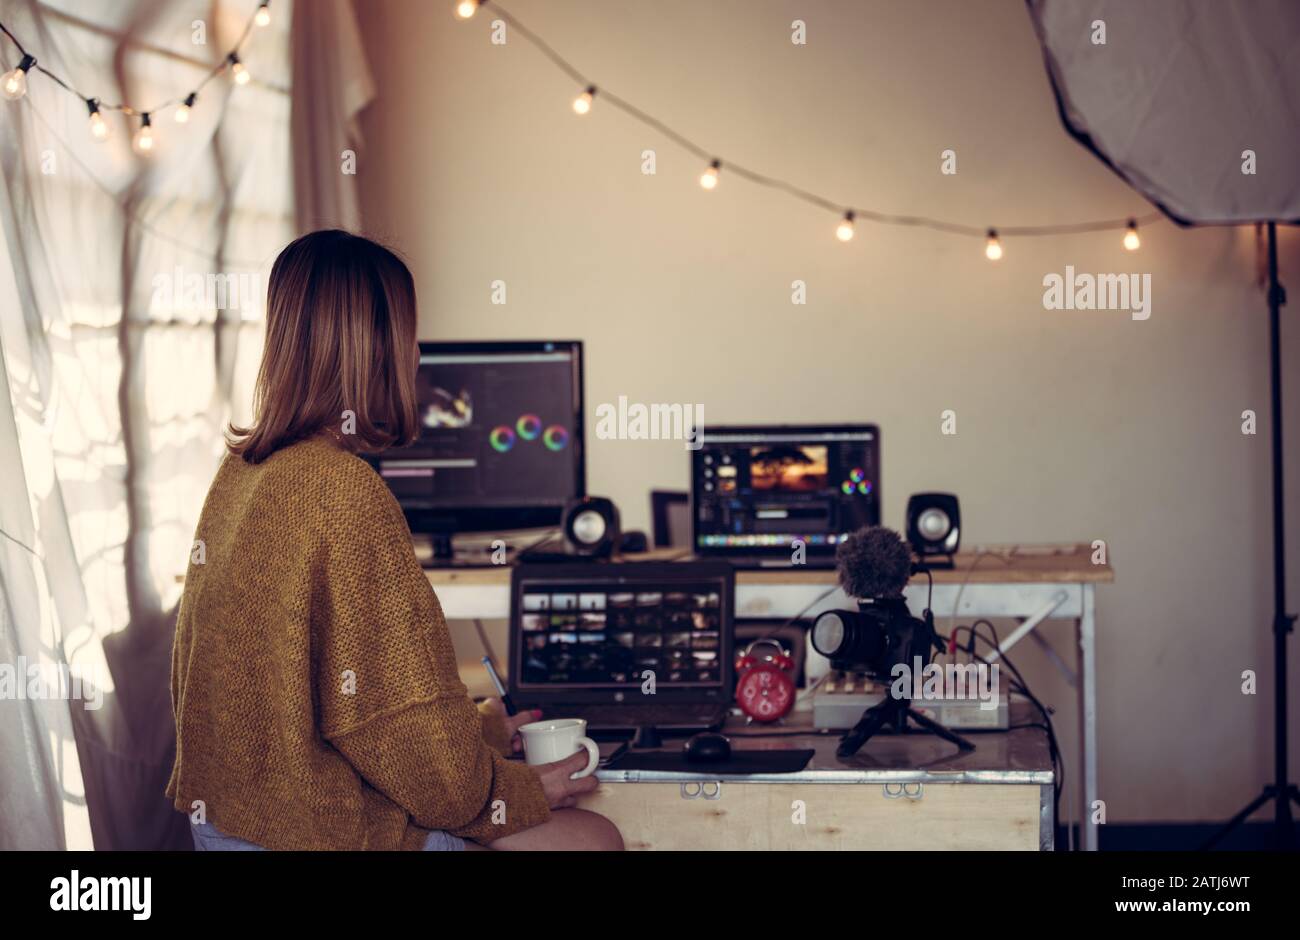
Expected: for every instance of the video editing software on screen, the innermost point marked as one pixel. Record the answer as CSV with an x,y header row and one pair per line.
x,y
760,490
608,635
497,428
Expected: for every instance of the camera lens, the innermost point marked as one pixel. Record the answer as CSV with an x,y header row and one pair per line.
x,y
849,636
828,633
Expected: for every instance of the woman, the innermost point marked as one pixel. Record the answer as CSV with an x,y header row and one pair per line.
x,y
314,684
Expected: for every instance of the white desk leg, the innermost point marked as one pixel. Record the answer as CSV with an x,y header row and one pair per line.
x,y
1088,715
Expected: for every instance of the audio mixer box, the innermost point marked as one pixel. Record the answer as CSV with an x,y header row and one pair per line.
x,y
840,698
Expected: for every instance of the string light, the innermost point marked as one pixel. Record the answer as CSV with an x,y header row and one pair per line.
x,y
237,69
142,143
98,126
709,178
1131,240
14,83
844,231
582,103
993,247
183,109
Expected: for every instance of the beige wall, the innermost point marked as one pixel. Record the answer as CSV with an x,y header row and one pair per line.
x,y
1071,425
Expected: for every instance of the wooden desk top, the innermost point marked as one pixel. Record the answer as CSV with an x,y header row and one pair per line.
x,y
1025,564
1020,755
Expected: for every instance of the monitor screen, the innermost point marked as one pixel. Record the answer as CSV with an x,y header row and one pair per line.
x,y
757,490
572,630
500,441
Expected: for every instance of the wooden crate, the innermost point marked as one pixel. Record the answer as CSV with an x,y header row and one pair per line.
x,y
762,816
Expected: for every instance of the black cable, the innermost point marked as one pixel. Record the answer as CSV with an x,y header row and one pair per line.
x,y
1054,750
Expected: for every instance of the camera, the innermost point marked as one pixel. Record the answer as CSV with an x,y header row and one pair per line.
x,y
873,639
882,634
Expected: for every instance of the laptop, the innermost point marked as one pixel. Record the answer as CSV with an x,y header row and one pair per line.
x,y
783,495
626,645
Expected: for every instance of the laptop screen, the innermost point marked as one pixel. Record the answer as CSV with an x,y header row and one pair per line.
x,y
611,627
758,490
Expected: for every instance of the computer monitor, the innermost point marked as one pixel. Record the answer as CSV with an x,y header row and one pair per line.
x,y
501,438
589,634
755,490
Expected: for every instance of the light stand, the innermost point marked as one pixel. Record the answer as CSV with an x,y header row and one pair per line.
x,y
1281,791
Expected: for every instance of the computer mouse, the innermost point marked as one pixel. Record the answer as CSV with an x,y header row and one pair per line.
x,y
707,747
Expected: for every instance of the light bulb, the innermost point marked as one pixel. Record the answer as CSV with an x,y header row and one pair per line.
x,y
237,70
13,85
709,178
142,143
844,232
993,250
98,126
183,109
1131,240
582,103
465,9
263,15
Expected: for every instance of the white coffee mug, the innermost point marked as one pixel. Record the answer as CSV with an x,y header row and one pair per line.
x,y
545,742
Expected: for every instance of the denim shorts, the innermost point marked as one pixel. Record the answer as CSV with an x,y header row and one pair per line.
x,y
208,838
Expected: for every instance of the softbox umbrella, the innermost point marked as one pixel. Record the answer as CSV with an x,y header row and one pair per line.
x,y
1180,96
1196,105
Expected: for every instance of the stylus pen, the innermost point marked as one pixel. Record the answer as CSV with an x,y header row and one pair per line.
x,y
501,689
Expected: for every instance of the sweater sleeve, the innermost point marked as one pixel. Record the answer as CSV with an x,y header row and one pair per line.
x,y
460,785
494,728
390,699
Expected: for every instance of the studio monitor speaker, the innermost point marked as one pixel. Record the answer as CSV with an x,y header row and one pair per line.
x,y
934,525
590,526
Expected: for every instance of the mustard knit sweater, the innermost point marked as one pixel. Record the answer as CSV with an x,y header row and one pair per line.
x,y
314,684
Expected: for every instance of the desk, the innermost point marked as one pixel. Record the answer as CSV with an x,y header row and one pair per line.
x,y
1031,584
910,791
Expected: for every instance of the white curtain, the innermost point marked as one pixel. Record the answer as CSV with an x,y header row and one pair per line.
x,y
329,61
131,303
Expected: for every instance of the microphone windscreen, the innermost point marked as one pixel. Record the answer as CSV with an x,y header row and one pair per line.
x,y
873,562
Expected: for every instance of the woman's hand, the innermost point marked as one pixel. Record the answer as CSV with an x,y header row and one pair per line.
x,y
561,792
513,722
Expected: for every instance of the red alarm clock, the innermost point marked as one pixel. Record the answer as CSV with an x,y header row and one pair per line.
x,y
765,683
